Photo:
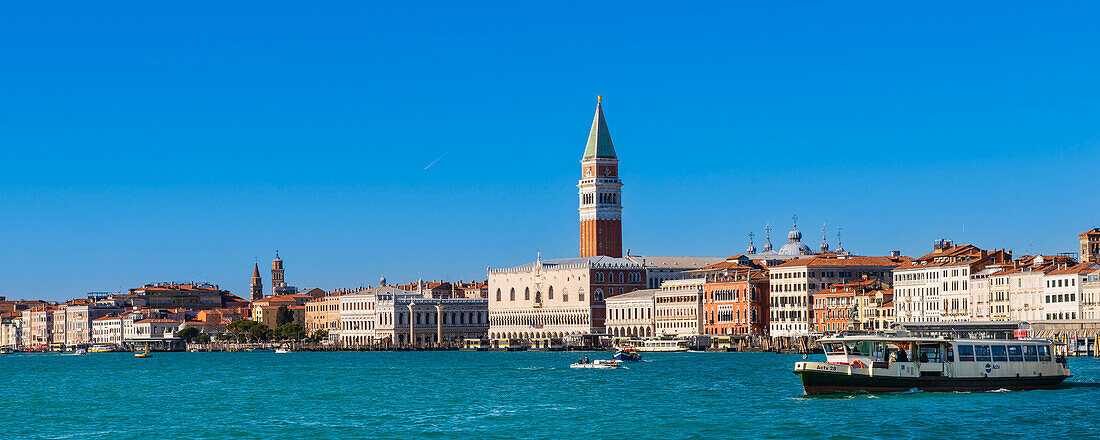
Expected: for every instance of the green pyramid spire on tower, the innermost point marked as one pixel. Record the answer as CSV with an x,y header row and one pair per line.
x,y
599,139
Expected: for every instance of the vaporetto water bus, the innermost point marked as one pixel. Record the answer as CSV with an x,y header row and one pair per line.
x,y
885,363
651,345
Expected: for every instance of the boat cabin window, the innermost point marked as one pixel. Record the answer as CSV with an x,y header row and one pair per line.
x,y
966,353
1000,354
1044,352
981,353
930,353
1015,353
1031,353
834,348
861,348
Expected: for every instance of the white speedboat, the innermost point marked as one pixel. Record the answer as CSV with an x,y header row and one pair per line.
x,y
282,350
599,364
885,363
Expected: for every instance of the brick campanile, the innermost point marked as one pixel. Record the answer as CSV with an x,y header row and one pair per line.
x,y
601,206
276,272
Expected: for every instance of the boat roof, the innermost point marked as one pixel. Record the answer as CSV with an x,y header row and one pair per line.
x,y
891,338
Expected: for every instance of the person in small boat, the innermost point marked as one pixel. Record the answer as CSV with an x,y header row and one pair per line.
x,y
586,360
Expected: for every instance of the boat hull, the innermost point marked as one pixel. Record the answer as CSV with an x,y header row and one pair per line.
x,y
822,382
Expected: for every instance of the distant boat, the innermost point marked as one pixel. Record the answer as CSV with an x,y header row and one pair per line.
x,y
142,354
599,364
7,350
283,349
651,345
627,354
99,348
79,351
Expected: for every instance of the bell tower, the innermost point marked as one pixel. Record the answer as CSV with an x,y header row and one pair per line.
x,y
276,272
257,284
601,208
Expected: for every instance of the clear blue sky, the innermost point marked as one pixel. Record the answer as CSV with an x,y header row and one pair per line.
x,y
149,142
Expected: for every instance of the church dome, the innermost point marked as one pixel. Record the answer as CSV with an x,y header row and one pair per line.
x,y
794,235
795,247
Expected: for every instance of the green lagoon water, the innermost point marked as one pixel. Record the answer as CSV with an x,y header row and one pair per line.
x,y
497,396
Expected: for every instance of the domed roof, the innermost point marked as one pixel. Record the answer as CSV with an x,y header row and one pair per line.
x,y
795,247
794,234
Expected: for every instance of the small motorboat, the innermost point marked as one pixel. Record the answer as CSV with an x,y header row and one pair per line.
x,y
7,350
282,350
599,364
628,354
79,351
144,353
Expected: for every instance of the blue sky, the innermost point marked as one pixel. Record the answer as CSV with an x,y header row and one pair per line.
x,y
152,142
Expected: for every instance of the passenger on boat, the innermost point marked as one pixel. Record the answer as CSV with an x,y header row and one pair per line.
x,y
902,357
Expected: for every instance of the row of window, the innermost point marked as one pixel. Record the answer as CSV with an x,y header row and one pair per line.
x,y
1062,283
1004,353
634,277
1065,297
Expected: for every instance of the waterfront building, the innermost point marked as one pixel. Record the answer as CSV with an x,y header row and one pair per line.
x,y
1090,245
257,284
38,325
1090,295
553,298
324,314
735,302
358,314
1025,285
880,311
107,330
422,320
388,315
852,306
216,320
558,297
172,296
661,269
999,305
981,293
265,311
791,285
1062,290
154,331
678,308
936,286
72,321
11,330
631,314
599,190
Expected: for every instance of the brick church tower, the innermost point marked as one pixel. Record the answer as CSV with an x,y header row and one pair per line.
x,y
601,207
276,272
257,284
